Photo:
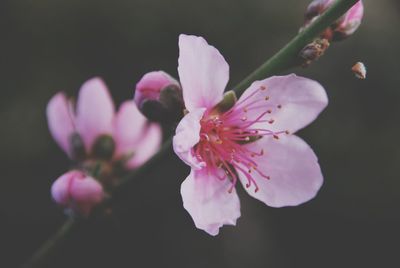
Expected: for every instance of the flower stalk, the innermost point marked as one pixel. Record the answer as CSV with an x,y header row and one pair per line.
x,y
284,59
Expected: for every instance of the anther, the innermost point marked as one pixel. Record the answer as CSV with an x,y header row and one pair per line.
x,y
263,87
271,121
279,106
269,111
266,97
276,137
287,132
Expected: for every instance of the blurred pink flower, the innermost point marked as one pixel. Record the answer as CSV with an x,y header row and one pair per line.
x,y
343,27
134,137
249,142
78,192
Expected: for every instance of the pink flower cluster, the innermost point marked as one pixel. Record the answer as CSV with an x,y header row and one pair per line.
x,y
97,137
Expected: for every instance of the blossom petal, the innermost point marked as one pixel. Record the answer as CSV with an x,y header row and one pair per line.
x,y
352,19
293,102
151,84
60,188
295,175
86,192
60,121
208,201
203,72
95,111
129,127
149,145
188,135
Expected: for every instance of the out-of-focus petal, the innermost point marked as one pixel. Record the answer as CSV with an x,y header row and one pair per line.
x,y
203,72
85,193
208,201
60,121
95,111
291,102
188,135
149,145
352,19
60,188
129,127
295,175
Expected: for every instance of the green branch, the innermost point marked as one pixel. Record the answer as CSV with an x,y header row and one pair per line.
x,y
51,245
285,57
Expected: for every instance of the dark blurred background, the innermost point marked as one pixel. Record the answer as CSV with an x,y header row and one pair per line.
x,y
52,45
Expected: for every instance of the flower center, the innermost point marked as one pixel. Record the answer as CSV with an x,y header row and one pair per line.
x,y
223,139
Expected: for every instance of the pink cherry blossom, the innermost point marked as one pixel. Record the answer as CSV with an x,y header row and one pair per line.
x,y
95,116
251,142
78,192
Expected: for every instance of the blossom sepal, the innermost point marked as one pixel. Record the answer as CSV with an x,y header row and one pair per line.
x,y
167,108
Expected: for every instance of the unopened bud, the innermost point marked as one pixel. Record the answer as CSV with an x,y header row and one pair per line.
x,y
77,192
314,51
159,97
343,27
104,147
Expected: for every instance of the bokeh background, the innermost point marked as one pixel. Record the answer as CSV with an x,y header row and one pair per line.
x,y
52,45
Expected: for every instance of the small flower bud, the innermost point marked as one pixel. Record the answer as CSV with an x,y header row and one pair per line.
x,y
77,192
314,51
159,97
343,27
104,147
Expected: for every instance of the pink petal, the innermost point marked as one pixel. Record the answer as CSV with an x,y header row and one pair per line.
x,y
188,135
352,19
295,175
149,145
208,201
60,188
203,72
95,111
86,193
151,84
294,102
60,121
129,126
